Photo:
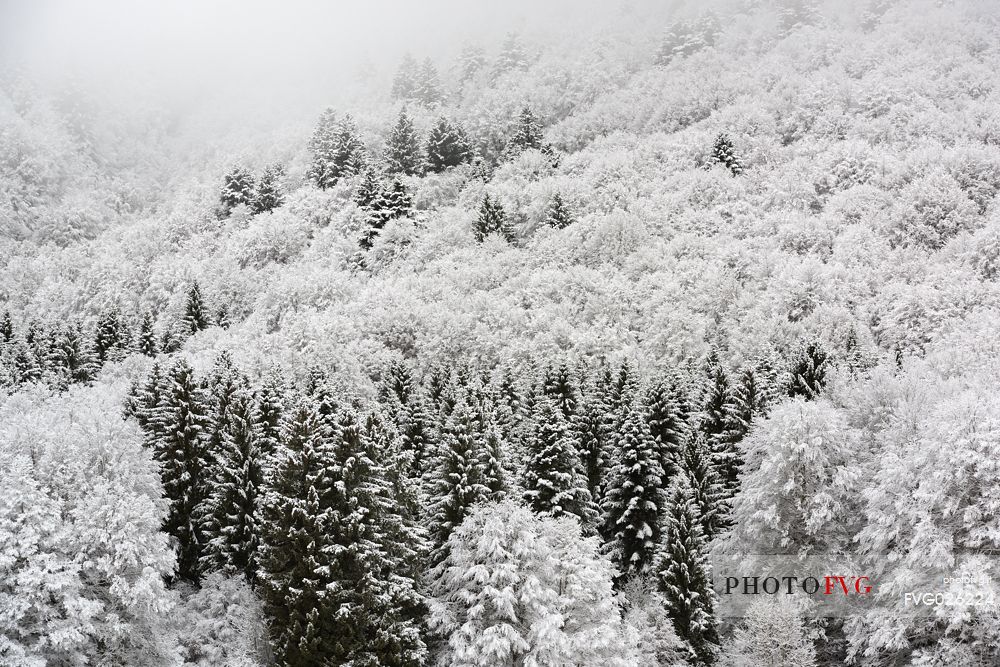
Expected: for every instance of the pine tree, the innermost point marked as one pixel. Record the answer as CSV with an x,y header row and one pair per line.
x,y
268,195
447,146
683,575
428,88
719,425
269,415
347,154
634,502
751,396
402,150
180,442
694,463
527,134
71,356
237,189
195,315
809,372
593,433
368,191
512,54
667,416
558,385
492,220
558,215
112,333
6,328
145,342
393,202
143,399
554,479
230,509
404,85
724,153
323,146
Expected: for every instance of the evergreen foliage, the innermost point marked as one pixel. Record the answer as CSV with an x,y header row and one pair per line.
x,y
492,220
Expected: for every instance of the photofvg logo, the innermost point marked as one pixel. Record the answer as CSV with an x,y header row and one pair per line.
x,y
841,586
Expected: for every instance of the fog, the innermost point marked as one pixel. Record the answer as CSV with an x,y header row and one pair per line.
x,y
285,54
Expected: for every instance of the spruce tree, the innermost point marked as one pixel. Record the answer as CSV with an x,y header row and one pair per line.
x,y
719,425
323,146
268,195
809,372
471,61
492,220
143,399
752,395
6,328
710,497
27,367
348,151
594,436
230,510
368,191
70,356
180,446
195,312
428,88
724,153
404,85
237,189
527,134
111,334
666,414
145,341
269,415
634,500
558,215
512,54
683,576
558,384
447,146
393,202
402,150
554,480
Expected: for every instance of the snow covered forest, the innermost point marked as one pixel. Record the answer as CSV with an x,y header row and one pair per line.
x,y
471,348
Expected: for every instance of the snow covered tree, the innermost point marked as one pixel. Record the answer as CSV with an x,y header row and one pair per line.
x,y
269,415
237,189
521,589
111,334
145,340
667,415
512,54
795,14
195,312
719,425
404,85
724,153
558,384
428,84
6,328
683,575
230,508
771,633
402,148
369,190
752,395
809,371
323,146
447,146
634,501
649,631
471,60
71,356
492,220
694,462
558,215
593,434
393,201
554,479
179,439
268,195
527,134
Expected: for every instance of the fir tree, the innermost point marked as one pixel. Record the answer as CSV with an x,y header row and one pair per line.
x,y
71,355
393,202
558,385
471,61
512,54
144,398
348,152
180,441
491,461
492,220
710,497
634,502
402,150
195,315
809,372
593,433
558,215
428,88
404,85
230,510
268,195
237,189
224,381
26,364
368,191
111,334
447,146
554,480
6,328
145,342
751,397
323,146
667,416
269,415
719,425
724,153
527,134
683,575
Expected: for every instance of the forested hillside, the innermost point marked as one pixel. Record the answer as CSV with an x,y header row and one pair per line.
x,y
479,365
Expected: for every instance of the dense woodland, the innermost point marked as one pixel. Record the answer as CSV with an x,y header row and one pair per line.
x,y
481,366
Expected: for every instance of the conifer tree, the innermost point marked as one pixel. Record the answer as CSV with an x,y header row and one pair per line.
x,y
492,220
683,575
237,189
224,381
268,195
554,479
71,355
404,85
667,416
471,61
368,191
558,215
111,333
751,397
323,146
622,391
269,415
724,153
393,202
592,431
634,501
26,364
491,460
447,146
145,342
143,399
195,315
527,134
348,151
402,150
6,328
180,442
512,54
230,510
428,89
809,372
719,425
558,384
694,463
